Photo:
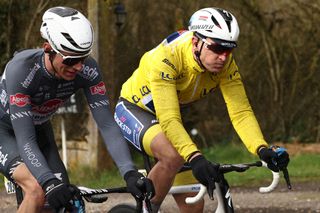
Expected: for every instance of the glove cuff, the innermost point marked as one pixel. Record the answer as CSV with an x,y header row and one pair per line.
x,y
197,159
261,150
51,184
132,173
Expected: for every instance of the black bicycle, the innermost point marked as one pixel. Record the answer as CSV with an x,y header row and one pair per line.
x,y
221,192
90,195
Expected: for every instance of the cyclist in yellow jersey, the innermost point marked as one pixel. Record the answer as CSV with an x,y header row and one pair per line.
x,y
185,67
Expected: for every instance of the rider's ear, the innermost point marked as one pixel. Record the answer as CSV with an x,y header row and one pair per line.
x,y
47,48
195,41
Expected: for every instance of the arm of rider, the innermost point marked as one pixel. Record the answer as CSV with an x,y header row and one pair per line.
x,y
138,185
205,172
276,157
59,194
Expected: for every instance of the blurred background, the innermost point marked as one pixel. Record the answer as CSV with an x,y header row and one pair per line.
x,y
278,56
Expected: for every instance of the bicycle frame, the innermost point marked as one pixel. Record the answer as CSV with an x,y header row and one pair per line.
x,y
222,189
89,194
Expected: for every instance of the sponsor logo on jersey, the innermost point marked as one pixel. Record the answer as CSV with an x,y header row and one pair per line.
x,y
49,106
99,104
206,91
68,85
89,73
98,89
154,121
130,126
120,121
168,77
144,90
64,94
31,156
3,98
30,76
3,157
166,61
19,99
17,115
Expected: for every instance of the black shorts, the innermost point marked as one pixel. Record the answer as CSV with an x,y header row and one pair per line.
x,y
137,125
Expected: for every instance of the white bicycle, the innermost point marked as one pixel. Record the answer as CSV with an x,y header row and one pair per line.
x,y
222,190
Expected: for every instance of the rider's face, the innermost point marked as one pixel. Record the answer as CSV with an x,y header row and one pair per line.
x,y
67,68
63,65
213,56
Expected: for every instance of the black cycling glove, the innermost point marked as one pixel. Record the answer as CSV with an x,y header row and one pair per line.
x,y
138,185
276,157
205,172
59,194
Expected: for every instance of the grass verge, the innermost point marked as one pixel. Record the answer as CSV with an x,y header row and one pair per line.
x,y
302,168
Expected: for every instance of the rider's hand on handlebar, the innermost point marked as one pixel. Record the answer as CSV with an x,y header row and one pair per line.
x,y
276,157
205,172
59,194
138,185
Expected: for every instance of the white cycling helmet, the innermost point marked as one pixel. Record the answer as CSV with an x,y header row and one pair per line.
x,y
217,24
67,30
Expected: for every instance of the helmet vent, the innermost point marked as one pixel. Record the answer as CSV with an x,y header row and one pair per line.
x,y
74,51
227,18
215,21
63,11
68,37
74,18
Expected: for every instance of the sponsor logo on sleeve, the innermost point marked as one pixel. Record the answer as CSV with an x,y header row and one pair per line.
x,y
98,89
31,156
19,99
3,157
89,73
30,76
3,98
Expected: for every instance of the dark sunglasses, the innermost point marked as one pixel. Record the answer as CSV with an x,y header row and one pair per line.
x,y
73,61
216,48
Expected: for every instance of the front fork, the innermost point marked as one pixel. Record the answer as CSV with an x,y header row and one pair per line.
x,y
223,195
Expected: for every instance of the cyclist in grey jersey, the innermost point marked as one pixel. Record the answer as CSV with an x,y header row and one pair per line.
x,y
32,94
35,83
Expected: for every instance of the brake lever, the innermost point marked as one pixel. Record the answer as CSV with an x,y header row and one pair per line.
x,y
140,184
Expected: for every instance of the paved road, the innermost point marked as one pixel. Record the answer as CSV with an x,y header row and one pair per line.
x,y
303,198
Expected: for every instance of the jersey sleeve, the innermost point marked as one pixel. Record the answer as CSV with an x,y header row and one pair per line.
x,y
98,101
165,99
239,109
24,129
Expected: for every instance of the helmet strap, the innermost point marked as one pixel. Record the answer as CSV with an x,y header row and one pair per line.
x,y
52,54
197,54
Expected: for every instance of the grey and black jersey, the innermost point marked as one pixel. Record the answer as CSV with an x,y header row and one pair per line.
x,y
30,95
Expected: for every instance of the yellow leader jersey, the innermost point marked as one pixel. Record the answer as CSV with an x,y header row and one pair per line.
x,y
168,76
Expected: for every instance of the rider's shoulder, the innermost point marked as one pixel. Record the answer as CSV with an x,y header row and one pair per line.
x,y
24,59
27,53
